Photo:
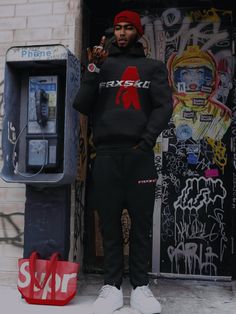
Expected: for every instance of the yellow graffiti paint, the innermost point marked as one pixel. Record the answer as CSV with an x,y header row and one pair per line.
x,y
157,148
206,15
219,150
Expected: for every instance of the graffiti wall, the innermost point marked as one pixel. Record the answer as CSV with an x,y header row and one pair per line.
x,y
196,172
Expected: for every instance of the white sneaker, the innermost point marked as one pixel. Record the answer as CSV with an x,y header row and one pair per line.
x,y
143,300
110,299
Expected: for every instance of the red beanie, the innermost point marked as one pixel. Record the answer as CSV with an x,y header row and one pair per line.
x,y
129,17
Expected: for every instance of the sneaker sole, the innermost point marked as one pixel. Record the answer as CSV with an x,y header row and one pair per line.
x,y
120,305
117,307
135,306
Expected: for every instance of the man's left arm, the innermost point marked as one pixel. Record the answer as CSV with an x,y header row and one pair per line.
x,y
162,103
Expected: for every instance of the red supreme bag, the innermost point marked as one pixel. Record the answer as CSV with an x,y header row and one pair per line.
x,y
51,282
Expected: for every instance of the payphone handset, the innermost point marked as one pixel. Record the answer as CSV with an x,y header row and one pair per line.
x,y
42,104
42,137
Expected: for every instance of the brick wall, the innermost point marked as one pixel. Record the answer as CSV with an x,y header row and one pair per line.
x,y
28,22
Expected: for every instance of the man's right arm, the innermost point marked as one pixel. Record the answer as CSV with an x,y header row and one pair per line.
x,y
87,94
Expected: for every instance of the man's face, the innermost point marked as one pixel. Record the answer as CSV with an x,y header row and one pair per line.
x,y
125,34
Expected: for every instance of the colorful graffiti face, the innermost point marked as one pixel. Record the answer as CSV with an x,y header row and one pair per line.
x,y
193,71
196,114
193,79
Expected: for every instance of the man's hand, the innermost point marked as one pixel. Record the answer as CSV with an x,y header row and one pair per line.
x,y
97,54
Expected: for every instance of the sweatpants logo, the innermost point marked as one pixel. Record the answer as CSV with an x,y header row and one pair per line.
x,y
147,181
128,95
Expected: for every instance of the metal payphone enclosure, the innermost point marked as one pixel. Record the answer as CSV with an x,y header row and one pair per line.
x,y
40,126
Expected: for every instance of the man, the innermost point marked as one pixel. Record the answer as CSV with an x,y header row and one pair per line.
x,y
130,102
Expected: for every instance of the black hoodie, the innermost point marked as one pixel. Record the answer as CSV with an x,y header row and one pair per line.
x,y
130,100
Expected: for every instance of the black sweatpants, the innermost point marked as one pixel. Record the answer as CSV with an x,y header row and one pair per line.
x,y
125,178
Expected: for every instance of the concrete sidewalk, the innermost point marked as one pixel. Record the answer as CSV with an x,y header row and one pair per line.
x,y
176,297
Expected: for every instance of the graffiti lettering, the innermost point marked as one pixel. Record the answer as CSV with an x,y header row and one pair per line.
x,y
171,16
193,261
199,192
219,227
8,223
167,220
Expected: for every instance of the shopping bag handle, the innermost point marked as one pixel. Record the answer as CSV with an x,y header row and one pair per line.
x,y
51,270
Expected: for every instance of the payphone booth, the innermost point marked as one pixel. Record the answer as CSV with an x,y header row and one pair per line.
x,y
40,126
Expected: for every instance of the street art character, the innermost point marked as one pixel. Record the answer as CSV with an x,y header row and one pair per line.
x,y
225,82
194,80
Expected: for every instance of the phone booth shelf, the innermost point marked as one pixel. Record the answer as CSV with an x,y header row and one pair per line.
x,y
40,126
